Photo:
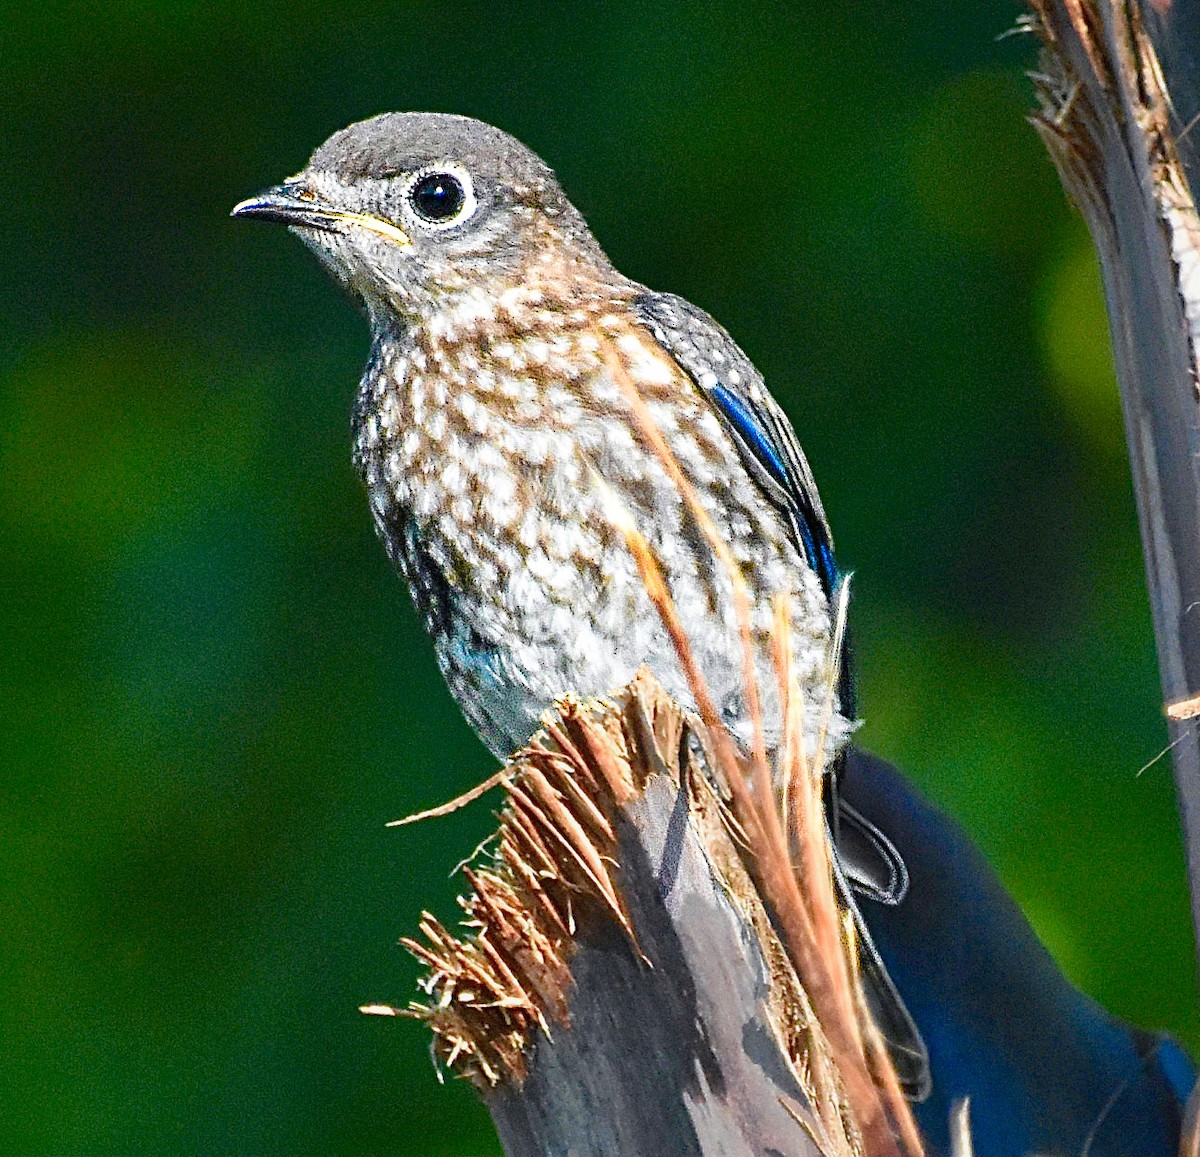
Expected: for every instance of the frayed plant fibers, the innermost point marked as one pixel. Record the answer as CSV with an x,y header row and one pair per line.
x,y
505,977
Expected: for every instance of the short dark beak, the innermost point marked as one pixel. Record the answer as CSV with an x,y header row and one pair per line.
x,y
293,204
289,205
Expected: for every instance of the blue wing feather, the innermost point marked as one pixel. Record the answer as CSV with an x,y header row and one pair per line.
x,y
813,535
735,389
739,414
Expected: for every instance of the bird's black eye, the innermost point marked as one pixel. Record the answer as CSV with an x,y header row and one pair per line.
x,y
437,197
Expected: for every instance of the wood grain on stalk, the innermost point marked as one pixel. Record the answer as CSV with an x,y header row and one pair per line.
x,y
1107,118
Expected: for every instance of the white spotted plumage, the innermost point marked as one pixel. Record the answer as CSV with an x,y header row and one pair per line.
x,y
489,494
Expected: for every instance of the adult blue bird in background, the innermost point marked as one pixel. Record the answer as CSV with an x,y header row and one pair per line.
x,y
1047,1070
524,405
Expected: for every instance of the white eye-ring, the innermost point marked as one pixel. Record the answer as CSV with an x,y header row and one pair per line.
x,y
440,196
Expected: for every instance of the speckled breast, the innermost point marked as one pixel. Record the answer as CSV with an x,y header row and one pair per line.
x,y
501,463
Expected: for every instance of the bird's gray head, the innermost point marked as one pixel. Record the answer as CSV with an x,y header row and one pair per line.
x,y
410,211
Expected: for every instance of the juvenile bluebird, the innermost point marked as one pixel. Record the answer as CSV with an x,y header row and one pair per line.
x,y
525,404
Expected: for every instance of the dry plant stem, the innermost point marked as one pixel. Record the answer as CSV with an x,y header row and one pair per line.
x,y
960,1129
776,842
1105,118
540,956
792,761
806,828
808,835
778,883
796,792
741,597
1189,1139
459,801
813,934
884,1074
501,996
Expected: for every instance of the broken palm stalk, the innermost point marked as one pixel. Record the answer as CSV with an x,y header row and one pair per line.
x,y
1118,128
625,983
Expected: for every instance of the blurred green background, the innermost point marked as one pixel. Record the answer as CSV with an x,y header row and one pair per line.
x,y
213,692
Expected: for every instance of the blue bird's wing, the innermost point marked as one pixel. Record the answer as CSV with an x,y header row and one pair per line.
x,y
867,861
727,379
765,440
